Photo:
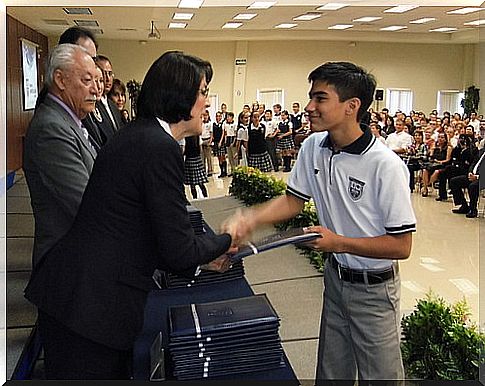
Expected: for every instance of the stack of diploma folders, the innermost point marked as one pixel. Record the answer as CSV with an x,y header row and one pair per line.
x,y
224,338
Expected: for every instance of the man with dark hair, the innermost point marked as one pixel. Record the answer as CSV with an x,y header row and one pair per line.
x,y
73,35
109,111
361,193
58,156
82,37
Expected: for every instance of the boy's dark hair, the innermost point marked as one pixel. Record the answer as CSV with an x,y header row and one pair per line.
x,y
349,80
285,112
171,86
72,35
277,105
230,114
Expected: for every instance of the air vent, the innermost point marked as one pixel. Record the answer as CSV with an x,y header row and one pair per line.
x,y
56,22
97,31
87,23
126,29
78,11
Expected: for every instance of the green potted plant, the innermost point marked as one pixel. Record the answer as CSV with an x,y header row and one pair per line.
x,y
440,342
471,100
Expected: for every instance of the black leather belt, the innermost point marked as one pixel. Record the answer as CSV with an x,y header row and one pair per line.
x,y
358,276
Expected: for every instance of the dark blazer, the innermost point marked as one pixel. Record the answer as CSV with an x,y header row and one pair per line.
x,y
132,220
57,163
101,129
116,115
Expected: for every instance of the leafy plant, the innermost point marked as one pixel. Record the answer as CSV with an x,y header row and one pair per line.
x,y
471,100
252,186
440,342
134,88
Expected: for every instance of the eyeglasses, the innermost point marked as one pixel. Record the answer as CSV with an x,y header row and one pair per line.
x,y
109,74
204,92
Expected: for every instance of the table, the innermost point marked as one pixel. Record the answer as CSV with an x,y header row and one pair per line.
x,y
156,320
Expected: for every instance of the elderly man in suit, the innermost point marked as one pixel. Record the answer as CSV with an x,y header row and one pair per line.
x,y
58,156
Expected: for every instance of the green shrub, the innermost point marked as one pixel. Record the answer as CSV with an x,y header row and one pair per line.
x,y
252,186
439,341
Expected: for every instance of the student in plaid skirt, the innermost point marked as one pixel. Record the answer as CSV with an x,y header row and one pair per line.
x,y
258,156
194,169
219,147
285,140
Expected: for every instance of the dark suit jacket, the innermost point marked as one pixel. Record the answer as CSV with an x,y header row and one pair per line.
x,y
116,115
57,163
100,130
132,220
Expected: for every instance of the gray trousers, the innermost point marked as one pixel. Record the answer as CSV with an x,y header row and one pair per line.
x,y
359,330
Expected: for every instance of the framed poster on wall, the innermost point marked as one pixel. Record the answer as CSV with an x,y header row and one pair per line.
x,y
29,73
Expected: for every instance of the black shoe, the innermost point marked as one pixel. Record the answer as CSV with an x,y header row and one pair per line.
x,y
286,170
472,214
464,209
441,199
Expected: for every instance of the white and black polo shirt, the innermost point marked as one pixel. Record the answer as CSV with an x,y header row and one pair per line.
x,y
360,191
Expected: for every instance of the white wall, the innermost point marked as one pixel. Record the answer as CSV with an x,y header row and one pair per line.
x,y
424,68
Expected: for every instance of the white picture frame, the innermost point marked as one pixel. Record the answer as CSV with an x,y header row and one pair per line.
x,y
29,74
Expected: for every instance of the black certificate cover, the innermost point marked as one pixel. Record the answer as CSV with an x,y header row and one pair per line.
x,y
276,240
203,319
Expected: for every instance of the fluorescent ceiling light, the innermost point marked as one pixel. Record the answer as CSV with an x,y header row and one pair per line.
x,y
368,19
286,25
245,16
332,6
444,29
190,3
262,4
232,25
475,22
464,11
307,16
393,28
182,16
423,20
401,8
341,26
177,25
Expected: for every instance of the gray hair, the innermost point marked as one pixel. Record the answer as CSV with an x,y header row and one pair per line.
x,y
62,57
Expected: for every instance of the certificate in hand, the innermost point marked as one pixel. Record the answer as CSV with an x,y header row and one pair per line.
x,y
276,240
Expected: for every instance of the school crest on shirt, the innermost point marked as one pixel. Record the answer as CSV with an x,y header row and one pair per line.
x,y
356,188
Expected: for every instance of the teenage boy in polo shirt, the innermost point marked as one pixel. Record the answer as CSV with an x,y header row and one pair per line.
x,y
361,192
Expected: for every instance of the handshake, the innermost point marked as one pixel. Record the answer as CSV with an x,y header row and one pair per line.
x,y
240,227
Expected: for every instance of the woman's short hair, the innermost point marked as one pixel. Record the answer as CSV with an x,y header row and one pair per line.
x,y
117,85
171,86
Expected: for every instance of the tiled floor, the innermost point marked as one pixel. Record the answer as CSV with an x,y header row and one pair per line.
x,y
445,258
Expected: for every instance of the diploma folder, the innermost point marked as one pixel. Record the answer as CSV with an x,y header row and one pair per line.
x,y
222,338
197,320
275,240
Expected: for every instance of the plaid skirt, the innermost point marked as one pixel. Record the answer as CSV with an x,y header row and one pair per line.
x,y
260,161
194,171
285,143
219,151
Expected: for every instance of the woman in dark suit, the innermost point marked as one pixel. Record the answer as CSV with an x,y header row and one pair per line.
x,y
91,287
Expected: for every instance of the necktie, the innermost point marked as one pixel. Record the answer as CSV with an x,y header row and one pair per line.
x,y
92,143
